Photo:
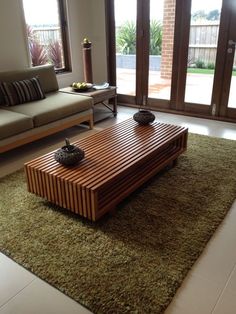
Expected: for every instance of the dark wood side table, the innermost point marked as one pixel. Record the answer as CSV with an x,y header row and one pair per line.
x,y
99,96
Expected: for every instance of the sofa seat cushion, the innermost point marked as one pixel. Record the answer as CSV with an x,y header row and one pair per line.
x,y
12,123
55,106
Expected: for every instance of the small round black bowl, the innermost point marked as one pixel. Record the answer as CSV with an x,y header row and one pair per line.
x,y
69,155
144,117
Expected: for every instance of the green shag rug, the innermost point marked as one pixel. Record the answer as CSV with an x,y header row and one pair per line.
x,y
134,260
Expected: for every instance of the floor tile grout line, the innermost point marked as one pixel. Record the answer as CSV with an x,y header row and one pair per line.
x,y
223,290
9,300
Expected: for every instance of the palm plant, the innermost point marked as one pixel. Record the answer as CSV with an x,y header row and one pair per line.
x,y
55,54
155,37
126,38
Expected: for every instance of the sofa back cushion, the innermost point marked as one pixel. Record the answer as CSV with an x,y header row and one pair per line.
x,y
45,74
19,92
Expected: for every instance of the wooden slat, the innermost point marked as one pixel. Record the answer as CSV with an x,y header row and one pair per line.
x,y
117,161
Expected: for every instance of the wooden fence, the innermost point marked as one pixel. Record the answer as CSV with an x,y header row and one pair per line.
x,y
203,42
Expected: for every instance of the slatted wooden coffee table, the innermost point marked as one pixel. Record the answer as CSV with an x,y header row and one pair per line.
x,y
117,161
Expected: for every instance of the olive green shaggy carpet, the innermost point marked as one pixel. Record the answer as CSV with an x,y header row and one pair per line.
x,y
134,260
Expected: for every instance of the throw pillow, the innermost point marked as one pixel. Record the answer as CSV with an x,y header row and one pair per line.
x,y
20,92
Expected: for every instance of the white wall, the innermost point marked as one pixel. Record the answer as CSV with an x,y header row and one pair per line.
x,y
86,19
98,38
13,49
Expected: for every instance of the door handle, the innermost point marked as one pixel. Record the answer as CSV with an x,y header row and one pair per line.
x,y
231,42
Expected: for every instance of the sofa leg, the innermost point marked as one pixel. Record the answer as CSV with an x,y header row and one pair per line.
x,y
91,123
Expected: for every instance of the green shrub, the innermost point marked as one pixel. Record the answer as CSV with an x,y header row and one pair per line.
x,y
200,64
211,65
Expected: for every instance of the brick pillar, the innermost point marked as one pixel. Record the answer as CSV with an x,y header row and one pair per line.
x,y
167,38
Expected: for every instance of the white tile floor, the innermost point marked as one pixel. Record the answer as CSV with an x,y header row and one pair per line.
x,y
210,286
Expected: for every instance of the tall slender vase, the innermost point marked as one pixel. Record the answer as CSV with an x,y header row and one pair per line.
x,y
87,62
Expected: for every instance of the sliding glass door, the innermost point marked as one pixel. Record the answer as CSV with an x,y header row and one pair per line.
x,y
232,93
176,55
227,100
162,26
203,39
125,32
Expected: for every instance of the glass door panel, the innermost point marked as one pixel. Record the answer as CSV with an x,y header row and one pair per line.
x,y
162,22
125,30
232,93
227,99
204,30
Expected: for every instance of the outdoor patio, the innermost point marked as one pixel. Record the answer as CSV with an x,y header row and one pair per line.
x,y
198,87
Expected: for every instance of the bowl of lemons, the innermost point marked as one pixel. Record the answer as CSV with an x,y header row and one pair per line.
x,y
81,86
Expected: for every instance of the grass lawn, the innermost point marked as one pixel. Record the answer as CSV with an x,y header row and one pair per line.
x,y
204,71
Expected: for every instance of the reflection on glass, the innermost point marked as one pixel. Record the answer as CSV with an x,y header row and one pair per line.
x,y
232,94
162,21
204,30
125,21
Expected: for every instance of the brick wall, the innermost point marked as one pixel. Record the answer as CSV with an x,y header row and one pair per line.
x,y
167,38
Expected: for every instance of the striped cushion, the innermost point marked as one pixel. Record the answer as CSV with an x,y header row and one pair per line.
x,y
20,92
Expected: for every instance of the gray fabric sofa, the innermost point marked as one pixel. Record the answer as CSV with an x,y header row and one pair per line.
x,y
24,123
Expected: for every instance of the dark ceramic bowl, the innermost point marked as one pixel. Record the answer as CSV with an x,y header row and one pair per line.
x,y
69,155
144,117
